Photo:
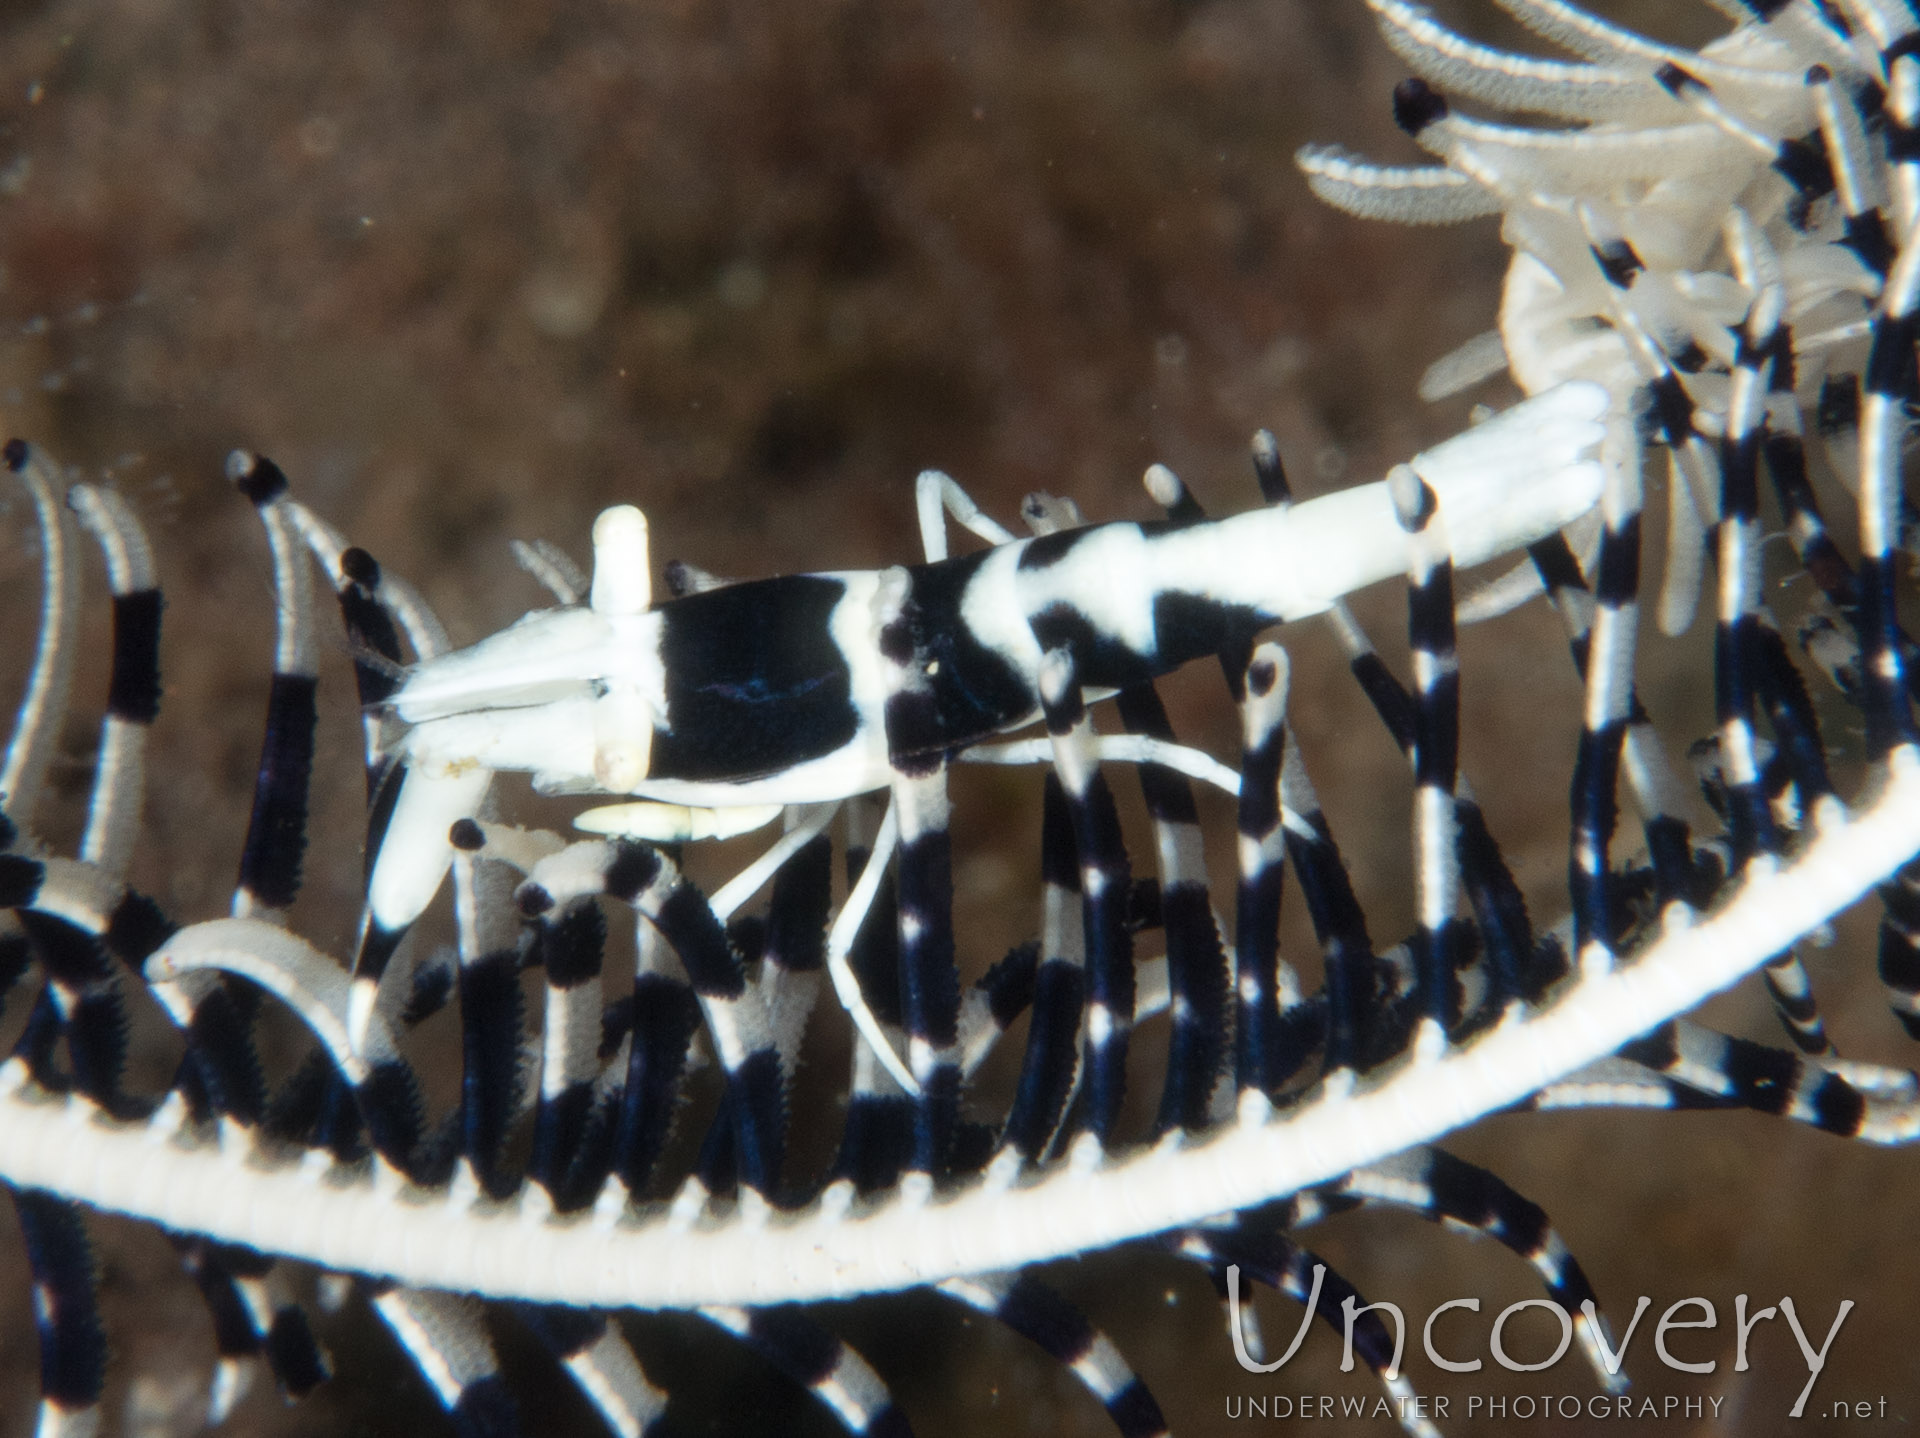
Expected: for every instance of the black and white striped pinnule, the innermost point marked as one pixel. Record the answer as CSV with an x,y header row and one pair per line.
x,y
809,1355
598,1357
645,878
30,746
1197,969
1262,1061
1034,1311
133,689
73,1344
929,982
567,1159
1436,746
445,1335
254,1321
1448,1190
277,832
1051,1063
1235,1255
1105,878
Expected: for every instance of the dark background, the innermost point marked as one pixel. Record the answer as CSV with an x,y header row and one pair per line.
x,y
472,272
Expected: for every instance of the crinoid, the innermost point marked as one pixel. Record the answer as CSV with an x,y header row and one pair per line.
x,y
531,1166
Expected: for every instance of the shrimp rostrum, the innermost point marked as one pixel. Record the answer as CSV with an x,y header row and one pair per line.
x,y
720,707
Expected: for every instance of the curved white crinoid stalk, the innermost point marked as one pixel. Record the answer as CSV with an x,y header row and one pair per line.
x,y
445,1239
